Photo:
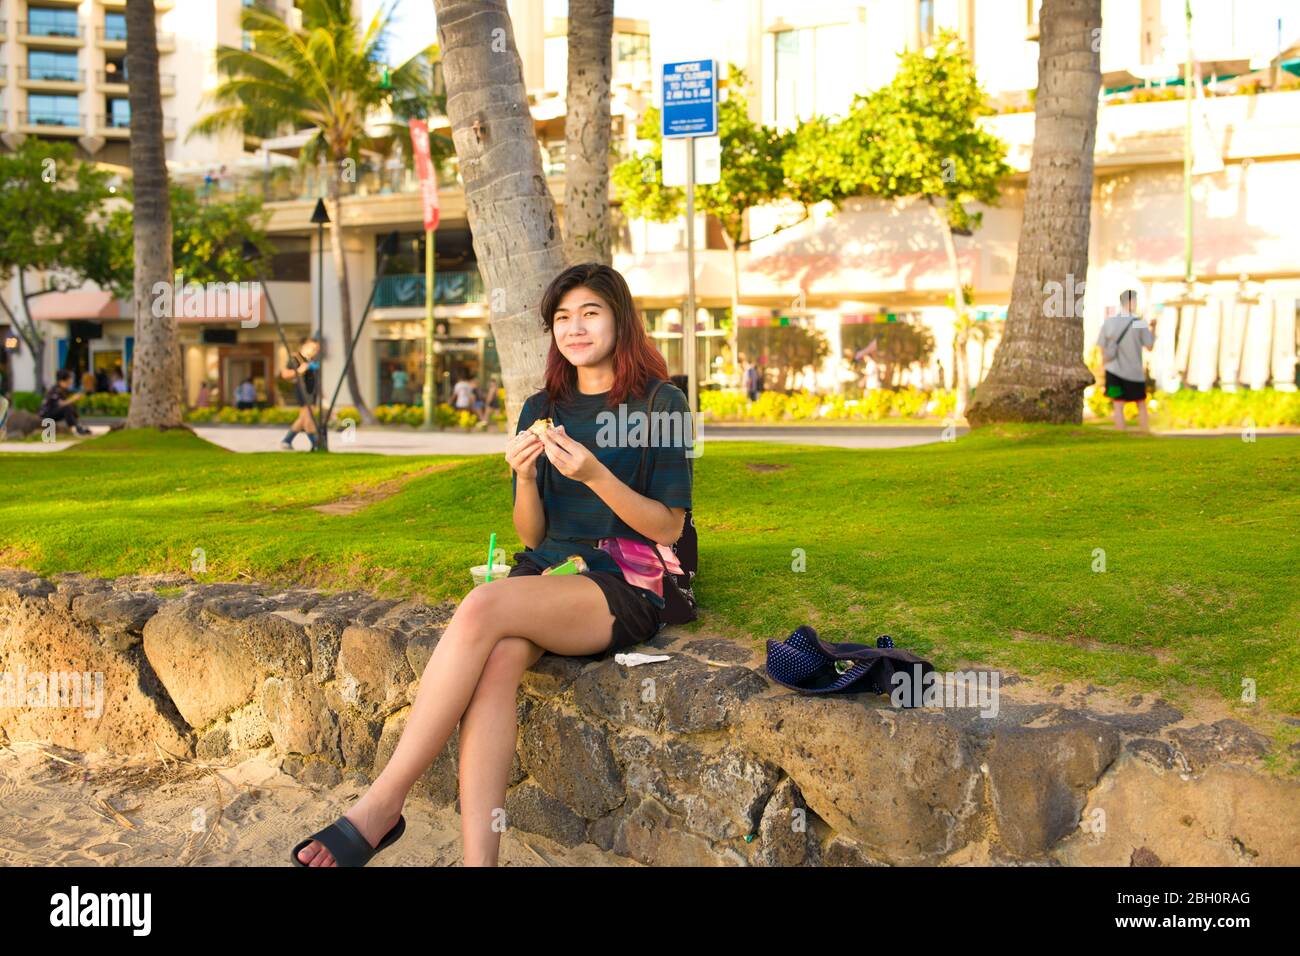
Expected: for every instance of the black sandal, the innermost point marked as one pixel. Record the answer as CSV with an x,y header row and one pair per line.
x,y
346,843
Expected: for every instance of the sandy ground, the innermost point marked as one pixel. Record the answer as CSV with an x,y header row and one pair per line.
x,y
63,808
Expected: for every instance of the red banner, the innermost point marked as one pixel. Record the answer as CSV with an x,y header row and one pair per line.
x,y
424,169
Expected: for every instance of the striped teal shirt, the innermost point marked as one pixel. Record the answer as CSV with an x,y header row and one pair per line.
x,y
576,517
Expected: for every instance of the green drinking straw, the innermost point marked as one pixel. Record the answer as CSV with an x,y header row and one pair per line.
x,y
492,546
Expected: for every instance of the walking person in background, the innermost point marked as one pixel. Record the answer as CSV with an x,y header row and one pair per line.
x,y
1121,340
462,393
118,383
205,396
305,372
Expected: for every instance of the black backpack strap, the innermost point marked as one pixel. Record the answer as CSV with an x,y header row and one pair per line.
x,y
640,468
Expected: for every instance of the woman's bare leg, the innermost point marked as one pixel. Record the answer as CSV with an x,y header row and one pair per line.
x,y
489,731
566,615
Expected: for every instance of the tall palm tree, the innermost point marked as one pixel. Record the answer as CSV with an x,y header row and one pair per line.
x,y
587,131
156,365
329,77
511,212
1038,372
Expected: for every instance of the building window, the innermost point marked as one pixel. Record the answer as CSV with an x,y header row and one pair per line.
x,y
811,74
631,57
925,21
45,22
48,65
114,26
119,113
48,109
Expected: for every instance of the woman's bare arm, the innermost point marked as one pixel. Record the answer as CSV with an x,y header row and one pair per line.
x,y
652,518
529,516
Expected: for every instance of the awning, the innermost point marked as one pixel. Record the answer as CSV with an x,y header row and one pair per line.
x,y
70,306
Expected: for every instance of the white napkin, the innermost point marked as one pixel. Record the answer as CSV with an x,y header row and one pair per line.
x,y
633,659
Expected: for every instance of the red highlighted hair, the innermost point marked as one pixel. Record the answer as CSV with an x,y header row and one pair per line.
x,y
636,360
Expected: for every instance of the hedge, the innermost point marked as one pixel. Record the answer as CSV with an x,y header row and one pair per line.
x,y
875,405
1189,408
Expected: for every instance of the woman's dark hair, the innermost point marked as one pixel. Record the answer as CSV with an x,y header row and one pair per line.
x,y
636,360
64,375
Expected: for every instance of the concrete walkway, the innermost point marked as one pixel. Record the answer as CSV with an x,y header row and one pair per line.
x,y
397,441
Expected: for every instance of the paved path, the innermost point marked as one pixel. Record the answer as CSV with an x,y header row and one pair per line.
x,y
392,441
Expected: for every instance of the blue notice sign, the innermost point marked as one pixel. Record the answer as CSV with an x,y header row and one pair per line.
x,y
690,98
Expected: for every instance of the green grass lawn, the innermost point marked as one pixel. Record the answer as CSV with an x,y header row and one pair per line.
x,y
977,551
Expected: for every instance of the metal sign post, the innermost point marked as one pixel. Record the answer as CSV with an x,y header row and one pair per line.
x,y
690,110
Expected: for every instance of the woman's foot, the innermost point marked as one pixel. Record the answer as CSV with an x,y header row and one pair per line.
x,y
370,815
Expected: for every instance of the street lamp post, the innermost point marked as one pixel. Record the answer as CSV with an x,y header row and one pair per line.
x,y
319,216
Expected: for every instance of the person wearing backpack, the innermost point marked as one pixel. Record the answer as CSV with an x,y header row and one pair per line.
x,y
305,373
1121,340
595,478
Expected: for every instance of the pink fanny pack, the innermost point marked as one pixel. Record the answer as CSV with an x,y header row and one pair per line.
x,y
640,564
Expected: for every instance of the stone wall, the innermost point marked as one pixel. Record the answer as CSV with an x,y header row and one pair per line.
x,y
699,760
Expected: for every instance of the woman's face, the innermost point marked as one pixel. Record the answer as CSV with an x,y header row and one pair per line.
x,y
584,327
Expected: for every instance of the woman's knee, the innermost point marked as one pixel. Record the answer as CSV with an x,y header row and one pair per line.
x,y
509,659
480,611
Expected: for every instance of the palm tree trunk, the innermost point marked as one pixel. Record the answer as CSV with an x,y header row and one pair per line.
x,y
156,363
345,296
510,208
961,364
1038,372
587,131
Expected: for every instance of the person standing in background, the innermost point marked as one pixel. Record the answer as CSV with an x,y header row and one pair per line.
x,y
1121,339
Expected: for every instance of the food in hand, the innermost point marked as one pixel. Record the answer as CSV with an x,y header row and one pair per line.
x,y
539,427
574,564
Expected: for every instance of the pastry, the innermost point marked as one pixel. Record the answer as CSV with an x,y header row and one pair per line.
x,y
539,427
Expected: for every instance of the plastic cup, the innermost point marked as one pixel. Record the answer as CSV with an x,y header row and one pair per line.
x,y
479,572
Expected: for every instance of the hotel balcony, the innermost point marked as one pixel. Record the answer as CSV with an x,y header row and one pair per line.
x,y
113,39
52,122
53,78
51,35
117,83
158,5
119,127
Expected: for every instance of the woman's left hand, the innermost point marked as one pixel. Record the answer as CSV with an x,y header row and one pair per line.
x,y
571,458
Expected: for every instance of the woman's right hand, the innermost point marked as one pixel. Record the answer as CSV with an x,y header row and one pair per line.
x,y
521,455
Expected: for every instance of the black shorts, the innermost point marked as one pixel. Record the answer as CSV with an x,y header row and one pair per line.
x,y
1122,390
635,618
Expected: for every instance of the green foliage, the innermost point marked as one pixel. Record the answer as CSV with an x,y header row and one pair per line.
x,y
51,210
27,402
327,77
1189,408
108,404
230,415
207,240
752,170
877,405
444,416
916,136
